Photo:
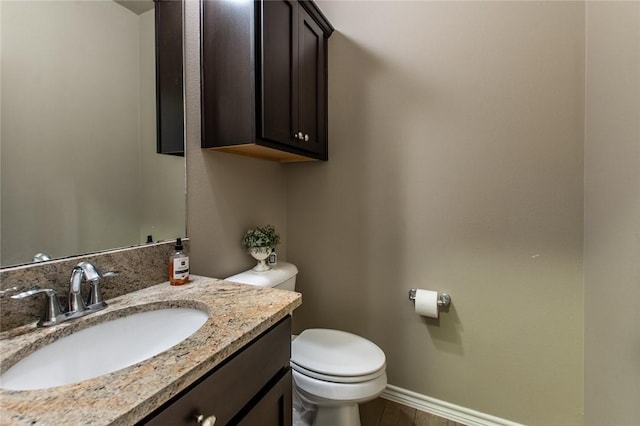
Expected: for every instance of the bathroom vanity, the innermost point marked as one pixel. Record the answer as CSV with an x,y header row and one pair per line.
x,y
252,387
235,367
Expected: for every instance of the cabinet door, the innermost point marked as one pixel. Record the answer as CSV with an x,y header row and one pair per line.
x,y
279,64
227,72
274,408
312,81
169,104
234,385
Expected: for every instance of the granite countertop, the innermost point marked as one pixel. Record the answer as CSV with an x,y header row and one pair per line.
x,y
237,314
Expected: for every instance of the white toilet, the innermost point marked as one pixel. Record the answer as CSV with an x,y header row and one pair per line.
x,y
333,371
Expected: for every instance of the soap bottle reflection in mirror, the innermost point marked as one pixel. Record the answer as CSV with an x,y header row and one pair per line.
x,y
178,265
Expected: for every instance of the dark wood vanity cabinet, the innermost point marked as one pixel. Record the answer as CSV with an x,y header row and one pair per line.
x,y
264,79
251,388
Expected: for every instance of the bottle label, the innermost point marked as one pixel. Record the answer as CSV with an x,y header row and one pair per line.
x,y
181,268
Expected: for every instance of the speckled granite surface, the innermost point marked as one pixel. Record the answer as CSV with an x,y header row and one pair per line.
x,y
139,267
238,313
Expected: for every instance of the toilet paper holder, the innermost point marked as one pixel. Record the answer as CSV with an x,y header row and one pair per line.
x,y
444,300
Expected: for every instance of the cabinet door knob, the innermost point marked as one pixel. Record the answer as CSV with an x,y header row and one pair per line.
x,y
206,421
300,136
306,138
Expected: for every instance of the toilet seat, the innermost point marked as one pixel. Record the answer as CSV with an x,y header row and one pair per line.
x,y
325,393
336,356
337,379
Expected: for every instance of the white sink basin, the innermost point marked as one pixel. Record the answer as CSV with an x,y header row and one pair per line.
x,y
103,348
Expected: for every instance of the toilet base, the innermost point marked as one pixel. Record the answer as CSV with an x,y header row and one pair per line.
x,y
347,415
334,404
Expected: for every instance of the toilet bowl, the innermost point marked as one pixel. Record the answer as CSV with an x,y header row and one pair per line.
x,y
333,371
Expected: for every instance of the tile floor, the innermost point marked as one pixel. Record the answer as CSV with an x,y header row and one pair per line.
x,y
381,412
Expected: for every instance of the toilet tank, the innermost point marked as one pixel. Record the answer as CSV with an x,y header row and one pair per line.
x,y
282,276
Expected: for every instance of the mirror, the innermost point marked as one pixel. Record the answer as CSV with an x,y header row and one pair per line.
x,y
79,167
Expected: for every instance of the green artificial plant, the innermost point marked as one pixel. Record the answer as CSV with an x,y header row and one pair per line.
x,y
260,237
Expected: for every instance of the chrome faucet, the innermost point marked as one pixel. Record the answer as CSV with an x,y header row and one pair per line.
x,y
76,306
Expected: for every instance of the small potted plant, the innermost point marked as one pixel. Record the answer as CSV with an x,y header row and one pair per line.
x,y
259,242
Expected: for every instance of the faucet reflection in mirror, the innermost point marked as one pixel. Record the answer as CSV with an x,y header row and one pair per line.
x,y
78,80
41,257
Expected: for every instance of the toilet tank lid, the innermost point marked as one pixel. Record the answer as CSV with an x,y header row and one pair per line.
x,y
271,278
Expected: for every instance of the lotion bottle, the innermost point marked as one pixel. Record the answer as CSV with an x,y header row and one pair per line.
x,y
178,265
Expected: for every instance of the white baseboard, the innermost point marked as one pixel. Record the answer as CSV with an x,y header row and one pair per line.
x,y
444,409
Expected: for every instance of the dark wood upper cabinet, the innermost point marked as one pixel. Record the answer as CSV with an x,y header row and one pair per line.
x,y
169,86
264,79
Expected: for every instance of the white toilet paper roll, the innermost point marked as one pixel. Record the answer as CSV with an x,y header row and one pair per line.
x,y
427,303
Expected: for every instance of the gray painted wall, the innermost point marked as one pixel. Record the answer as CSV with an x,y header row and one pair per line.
x,y
612,215
456,142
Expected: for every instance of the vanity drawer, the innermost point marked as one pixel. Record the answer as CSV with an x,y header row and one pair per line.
x,y
234,388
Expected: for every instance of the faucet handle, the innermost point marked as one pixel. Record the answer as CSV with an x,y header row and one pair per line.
x,y
52,313
95,301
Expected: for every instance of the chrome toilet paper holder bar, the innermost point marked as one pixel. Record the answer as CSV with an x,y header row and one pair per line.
x,y
444,300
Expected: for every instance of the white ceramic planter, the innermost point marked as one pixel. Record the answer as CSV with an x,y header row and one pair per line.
x,y
261,254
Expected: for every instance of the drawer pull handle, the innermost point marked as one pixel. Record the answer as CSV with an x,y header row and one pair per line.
x,y
206,421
